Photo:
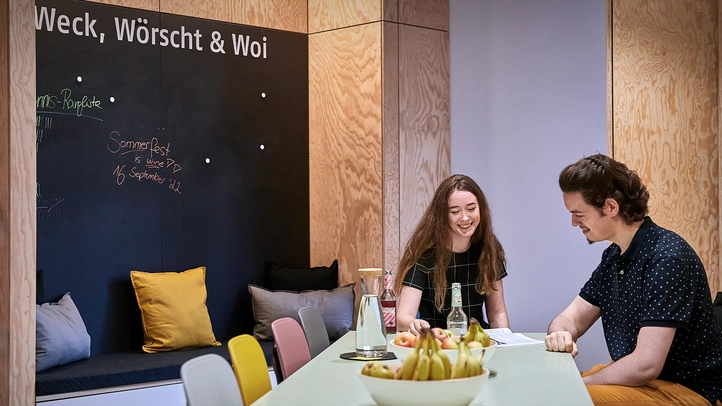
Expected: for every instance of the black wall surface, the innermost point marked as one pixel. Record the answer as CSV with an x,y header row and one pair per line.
x,y
125,185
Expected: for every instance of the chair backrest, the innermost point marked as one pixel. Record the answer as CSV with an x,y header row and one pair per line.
x,y
291,344
208,381
250,367
314,328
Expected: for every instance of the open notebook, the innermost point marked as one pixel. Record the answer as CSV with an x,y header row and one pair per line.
x,y
504,337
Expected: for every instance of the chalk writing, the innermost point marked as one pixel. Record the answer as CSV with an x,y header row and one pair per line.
x,y
128,146
159,167
65,101
49,208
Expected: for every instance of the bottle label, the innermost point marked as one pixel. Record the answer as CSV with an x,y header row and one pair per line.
x,y
389,309
456,298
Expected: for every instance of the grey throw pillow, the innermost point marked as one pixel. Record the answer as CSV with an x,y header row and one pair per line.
x,y
336,307
61,336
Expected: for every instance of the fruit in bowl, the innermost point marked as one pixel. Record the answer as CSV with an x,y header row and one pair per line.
x,y
448,392
402,347
443,383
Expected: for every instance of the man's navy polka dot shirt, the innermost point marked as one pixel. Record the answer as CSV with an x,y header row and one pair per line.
x,y
660,281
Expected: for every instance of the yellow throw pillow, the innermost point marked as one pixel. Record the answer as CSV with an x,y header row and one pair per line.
x,y
173,309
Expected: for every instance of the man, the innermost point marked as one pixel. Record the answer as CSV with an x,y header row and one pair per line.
x,y
650,290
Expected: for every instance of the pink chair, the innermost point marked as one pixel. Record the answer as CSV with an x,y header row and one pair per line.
x,y
293,352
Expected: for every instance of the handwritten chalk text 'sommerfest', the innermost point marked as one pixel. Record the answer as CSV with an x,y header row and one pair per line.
x,y
138,30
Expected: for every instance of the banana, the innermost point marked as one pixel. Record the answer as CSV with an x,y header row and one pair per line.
x,y
444,359
461,367
474,364
436,370
476,333
406,372
422,368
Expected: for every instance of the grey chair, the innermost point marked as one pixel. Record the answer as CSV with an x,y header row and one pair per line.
x,y
208,380
314,328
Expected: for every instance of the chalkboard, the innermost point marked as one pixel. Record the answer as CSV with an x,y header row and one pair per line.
x,y
166,143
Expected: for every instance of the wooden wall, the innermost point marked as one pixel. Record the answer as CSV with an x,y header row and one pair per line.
x,y
664,121
378,84
17,203
379,125
287,15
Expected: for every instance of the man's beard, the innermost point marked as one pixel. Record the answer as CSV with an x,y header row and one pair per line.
x,y
590,242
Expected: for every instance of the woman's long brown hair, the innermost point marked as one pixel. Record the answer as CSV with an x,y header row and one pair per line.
x,y
434,231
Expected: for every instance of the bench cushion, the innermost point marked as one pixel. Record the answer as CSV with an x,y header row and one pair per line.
x,y
124,368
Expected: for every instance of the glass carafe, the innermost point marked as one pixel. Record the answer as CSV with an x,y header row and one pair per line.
x,y
370,327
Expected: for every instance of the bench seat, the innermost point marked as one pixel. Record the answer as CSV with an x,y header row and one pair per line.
x,y
123,369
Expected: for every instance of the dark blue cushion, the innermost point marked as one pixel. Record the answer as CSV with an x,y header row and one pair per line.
x,y
124,368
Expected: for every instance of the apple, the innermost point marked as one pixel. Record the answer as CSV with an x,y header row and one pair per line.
x,y
439,333
405,339
474,344
450,344
449,333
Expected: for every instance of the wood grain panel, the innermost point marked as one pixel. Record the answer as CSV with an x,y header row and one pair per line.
x,y
324,15
390,97
424,129
287,15
345,158
665,84
719,132
150,5
5,281
390,10
17,204
610,98
424,13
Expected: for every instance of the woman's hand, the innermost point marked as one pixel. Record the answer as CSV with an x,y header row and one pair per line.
x,y
417,325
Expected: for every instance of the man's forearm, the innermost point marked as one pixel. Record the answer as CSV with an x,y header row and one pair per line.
x,y
562,323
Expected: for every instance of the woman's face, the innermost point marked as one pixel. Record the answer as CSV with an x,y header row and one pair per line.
x,y
463,218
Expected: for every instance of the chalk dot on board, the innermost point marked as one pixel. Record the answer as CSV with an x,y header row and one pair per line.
x,y
263,147
112,99
263,95
208,160
79,79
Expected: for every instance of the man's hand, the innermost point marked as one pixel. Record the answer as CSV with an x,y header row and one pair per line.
x,y
561,341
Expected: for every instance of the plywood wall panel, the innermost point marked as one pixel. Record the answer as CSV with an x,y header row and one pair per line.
x,y
324,15
17,203
424,129
390,97
345,155
665,113
286,15
150,5
424,13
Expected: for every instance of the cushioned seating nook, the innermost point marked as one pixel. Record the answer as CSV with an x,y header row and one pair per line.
x,y
157,366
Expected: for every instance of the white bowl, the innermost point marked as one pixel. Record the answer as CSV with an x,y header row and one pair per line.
x,y
402,352
449,392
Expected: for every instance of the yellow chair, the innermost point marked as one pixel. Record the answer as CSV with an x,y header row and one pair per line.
x,y
250,367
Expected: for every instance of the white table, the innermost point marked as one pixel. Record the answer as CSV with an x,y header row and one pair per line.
x,y
526,375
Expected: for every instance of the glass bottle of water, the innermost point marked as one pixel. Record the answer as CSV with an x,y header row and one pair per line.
x,y
370,327
456,321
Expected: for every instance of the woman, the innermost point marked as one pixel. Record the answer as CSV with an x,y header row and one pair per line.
x,y
453,242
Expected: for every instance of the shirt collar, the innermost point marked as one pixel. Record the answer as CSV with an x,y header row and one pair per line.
x,y
636,244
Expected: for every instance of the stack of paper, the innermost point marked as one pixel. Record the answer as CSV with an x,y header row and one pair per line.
x,y
505,338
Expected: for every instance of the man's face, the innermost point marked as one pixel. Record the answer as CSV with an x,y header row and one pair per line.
x,y
595,226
